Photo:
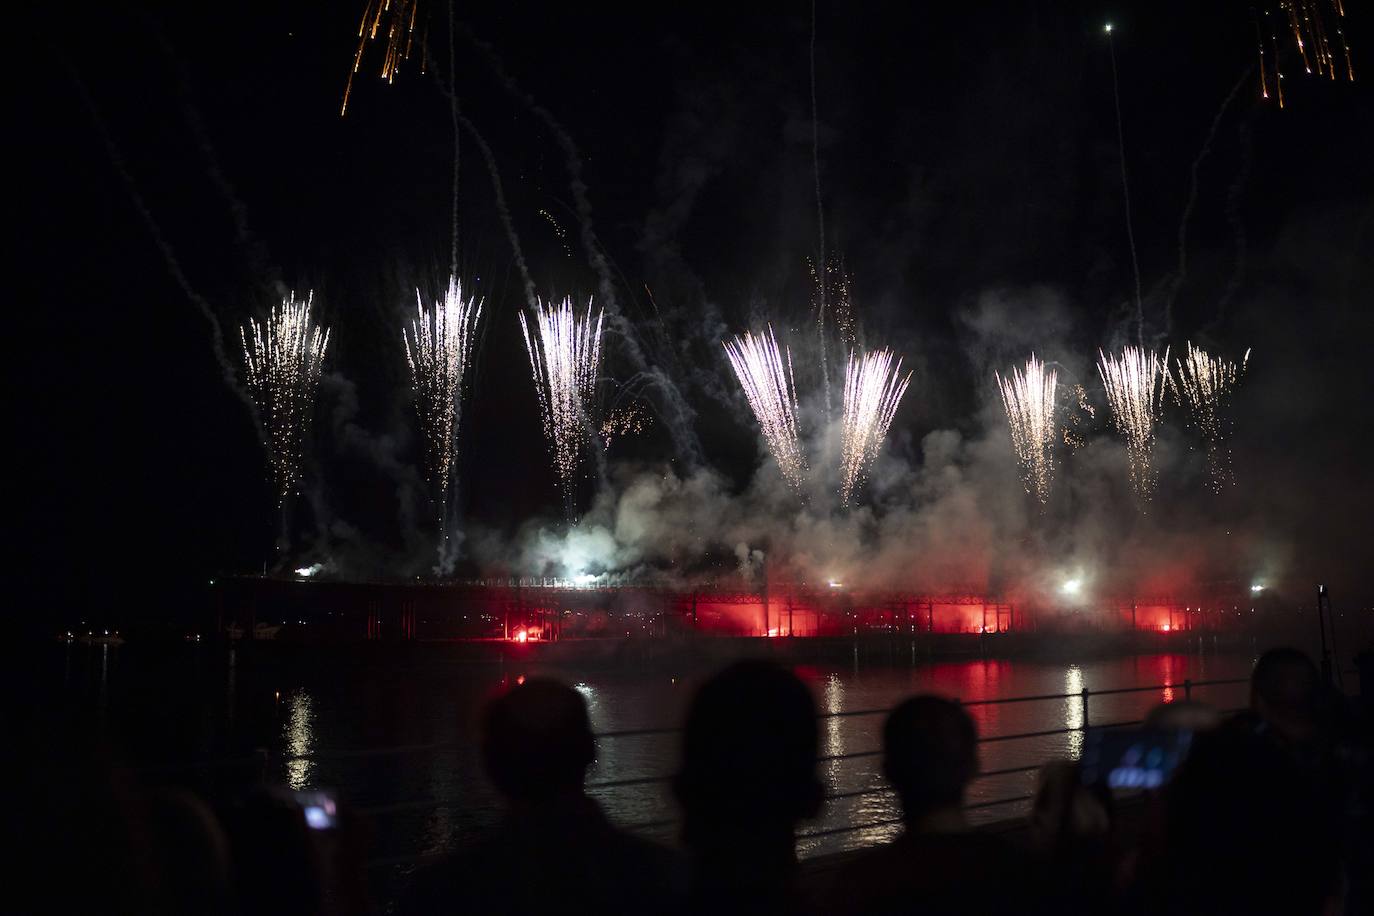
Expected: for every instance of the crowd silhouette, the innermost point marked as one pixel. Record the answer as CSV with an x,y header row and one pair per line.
x,y
1266,811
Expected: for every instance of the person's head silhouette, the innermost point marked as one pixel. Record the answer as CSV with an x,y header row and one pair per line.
x,y
537,741
749,756
1286,692
930,754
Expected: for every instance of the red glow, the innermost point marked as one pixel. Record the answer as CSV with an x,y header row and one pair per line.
x,y
519,680
1164,627
521,636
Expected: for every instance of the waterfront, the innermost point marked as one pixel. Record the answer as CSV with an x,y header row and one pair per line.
x,y
393,732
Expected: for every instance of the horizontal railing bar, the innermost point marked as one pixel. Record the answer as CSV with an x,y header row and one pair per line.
x,y
665,730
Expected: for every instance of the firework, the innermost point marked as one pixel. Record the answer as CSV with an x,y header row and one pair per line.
x,y
1310,23
564,354
624,421
283,358
1205,384
1081,414
1135,383
438,348
765,373
873,387
837,298
1028,397
395,21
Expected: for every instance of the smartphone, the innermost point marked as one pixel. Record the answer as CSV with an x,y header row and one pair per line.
x,y
1133,758
319,807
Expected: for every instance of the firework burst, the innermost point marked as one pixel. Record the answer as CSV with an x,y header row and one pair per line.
x,y
630,420
765,373
873,387
1028,397
1205,385
283,358
565,351
1135,383
438,347
395,21
1310,24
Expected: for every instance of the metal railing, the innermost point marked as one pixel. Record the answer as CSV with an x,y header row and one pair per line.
x,y
263,760
1083,696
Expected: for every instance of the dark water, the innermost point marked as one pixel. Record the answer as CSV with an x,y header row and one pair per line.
x,y
366,716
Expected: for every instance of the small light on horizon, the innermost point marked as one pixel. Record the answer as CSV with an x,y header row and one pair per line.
x,y
1256,588
1109,28
1072,586
835,583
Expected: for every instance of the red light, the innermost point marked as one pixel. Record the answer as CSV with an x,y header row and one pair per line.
x,y
521,636
519,680
1164,627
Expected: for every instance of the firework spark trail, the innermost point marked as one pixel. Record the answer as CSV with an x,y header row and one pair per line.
x,y
1309,22
1135,383
820,214
1126,193
400,17
684,436
1182,273
283,358
564,354
765,374
503,211
438,347
1205,385
1029,399
873,387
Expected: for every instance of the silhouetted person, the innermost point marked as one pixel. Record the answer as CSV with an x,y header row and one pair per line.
x,y
1071,825
939,865
555,852
748,777
193,853
1247,829
276,863
1287,695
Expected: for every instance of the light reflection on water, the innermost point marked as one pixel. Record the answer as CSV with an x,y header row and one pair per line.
x,y
299,732
1073,710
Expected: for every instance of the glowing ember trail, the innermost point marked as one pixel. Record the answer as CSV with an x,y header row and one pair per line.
x,y
396,20
772,395
1135,383
283,358
1205,385
873,387
1028,397
565,352
438,349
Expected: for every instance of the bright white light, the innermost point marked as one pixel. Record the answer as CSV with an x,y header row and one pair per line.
x,y
305,572
834,584
1071,586
1257,588
584,578
1109,27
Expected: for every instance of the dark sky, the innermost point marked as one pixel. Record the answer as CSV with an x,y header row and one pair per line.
x,y
964,151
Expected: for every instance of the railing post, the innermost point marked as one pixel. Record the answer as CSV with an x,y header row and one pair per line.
x,y
1187,688
1085,696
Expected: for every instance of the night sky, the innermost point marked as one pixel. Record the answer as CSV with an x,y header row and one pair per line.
x,y
971,183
